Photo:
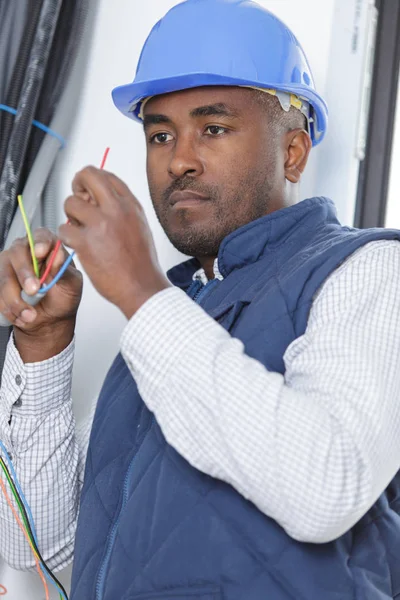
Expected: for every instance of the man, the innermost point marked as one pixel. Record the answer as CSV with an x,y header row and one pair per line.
x,y
246,442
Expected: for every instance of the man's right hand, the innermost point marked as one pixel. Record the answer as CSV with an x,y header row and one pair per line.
x,y
42,331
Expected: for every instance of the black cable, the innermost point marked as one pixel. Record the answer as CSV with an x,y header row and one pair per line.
x,y
69,29
18,74
33,81
63,49
32,537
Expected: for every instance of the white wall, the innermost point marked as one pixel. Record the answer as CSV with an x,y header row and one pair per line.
x,y
326,30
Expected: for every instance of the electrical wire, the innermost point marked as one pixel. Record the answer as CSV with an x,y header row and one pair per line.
x,y
11,176
45,289
18,488
29,234
28,519
15,494
50,264
3,487
47,573
28,536
28,528
44,128
103,162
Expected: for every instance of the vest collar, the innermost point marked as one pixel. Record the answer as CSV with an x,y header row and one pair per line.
x,y
249,243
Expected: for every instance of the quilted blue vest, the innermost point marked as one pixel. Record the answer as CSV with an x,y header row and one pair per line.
x,y
153,527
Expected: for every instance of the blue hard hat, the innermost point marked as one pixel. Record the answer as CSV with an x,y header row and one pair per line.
x,y
222,42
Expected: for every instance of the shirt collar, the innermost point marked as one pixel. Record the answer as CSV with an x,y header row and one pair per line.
x,y
200,274
261,237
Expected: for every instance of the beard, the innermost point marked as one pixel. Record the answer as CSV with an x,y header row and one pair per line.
x,y
229,210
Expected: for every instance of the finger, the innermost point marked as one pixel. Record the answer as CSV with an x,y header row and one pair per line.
x,y
61,257
11,304
123,191
71,281
71,275
97,184
81,212
119,186
72,236
59,260
45,241
20,260
107,190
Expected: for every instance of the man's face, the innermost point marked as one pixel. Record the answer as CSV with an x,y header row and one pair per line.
x,y
213,164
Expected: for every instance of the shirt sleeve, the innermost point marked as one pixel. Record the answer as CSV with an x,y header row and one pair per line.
x,y
37,428
313,448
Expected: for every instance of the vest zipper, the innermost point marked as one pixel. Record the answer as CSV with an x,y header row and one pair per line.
x,y
204,290
198,295
110,544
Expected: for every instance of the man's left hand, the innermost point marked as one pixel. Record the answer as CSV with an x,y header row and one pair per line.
x,y
110,234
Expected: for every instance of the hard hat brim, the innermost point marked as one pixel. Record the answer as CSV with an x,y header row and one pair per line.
x,y
127,97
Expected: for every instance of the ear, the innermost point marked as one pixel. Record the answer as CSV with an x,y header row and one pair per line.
x,y
297,148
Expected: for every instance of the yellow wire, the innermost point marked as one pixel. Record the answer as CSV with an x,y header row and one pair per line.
x,y
46,589
19,501
29,234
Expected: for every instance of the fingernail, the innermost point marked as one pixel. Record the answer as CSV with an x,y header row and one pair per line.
x,y
28,315
40,249
31,285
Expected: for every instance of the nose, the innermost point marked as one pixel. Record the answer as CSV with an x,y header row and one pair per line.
x,y
185,159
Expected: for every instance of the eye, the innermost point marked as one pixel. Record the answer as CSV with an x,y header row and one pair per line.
x,y
216,130
160,138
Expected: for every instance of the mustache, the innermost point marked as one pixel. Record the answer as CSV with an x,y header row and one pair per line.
x,y
189,184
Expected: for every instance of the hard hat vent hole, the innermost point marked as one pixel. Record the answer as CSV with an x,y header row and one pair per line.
x,y
306,78
296,75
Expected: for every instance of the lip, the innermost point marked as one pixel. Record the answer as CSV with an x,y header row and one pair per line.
x,y
186,197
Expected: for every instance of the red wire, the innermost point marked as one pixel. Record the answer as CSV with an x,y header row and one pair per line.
x,y
58,245
103,162
51,262
14,512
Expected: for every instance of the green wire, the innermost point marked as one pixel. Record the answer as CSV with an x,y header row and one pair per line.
x,y
18,501
16,497
29,234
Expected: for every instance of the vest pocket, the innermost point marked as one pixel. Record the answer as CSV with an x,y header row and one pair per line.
x,y
190,593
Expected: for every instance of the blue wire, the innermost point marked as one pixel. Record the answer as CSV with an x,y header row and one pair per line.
x,y
28,512
20,492
44,128
46,288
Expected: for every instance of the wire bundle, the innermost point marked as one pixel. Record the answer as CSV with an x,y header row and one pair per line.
x,y
24,519
26,523
45,289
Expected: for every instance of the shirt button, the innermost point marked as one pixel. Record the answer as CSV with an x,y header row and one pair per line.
x,y
18,379
18,402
